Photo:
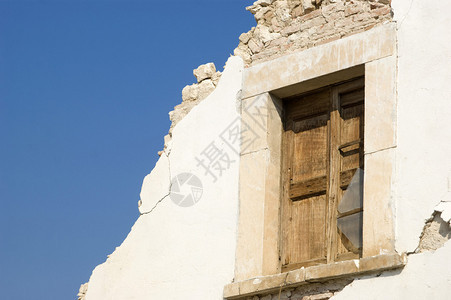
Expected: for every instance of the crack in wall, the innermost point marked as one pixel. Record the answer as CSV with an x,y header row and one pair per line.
x,y
170,187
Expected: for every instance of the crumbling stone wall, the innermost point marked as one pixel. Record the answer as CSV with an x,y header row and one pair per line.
x,y
207,79
285,26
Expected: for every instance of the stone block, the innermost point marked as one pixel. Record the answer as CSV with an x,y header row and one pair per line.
x,y
291,29
190,92
231,290
327,271
311,15
265,284
313,22
308,5
204,72
380,104
380,11
382,262
295,277
244,38
265,35
255,45
378,203
321,60
205,88
353,9
297,11
249,251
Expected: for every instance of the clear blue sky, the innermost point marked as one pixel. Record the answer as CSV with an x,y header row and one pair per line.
x,y
85,91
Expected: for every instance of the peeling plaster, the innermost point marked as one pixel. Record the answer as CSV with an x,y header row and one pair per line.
x,y
435,234
423,135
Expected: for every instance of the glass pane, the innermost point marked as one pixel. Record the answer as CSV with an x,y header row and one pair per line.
x,y
351,229
353,196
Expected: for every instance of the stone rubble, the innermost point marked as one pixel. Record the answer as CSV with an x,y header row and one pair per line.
x,y
204,72
207,80
284,26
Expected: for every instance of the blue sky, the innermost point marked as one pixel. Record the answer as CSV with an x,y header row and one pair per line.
x,y
85,91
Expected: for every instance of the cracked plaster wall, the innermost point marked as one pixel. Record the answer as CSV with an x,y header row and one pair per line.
x,y
170,253
424,128
423,161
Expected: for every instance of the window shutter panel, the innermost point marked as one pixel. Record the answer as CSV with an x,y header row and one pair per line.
x,y
350,194
306,181
322,176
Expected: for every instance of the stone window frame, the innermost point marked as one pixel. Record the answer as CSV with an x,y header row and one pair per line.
x,y
371,53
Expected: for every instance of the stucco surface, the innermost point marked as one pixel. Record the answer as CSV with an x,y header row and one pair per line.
x,y
175,252
423,162
423,133
424,277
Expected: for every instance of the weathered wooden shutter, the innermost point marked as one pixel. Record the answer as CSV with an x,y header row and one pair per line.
x,y
350,177
306,150
322,152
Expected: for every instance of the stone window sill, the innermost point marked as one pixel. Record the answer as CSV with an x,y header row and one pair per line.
x,y
350,268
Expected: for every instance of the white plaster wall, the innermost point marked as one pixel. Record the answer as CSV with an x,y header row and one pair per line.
x,y
423,160
423,154
426,276
177,252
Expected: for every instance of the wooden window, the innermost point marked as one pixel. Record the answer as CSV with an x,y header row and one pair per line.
x,y
322,176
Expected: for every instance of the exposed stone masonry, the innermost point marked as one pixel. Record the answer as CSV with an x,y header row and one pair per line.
x,y
313,291
285,26
207,79
435,234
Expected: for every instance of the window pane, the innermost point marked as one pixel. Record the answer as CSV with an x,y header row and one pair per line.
x,y
350,228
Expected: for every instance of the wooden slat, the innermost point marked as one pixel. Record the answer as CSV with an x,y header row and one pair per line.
x,y
309,148
285,212
312,187
348,213
307,238
307,263
334,167
352,143
308,105
350,86
352,98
